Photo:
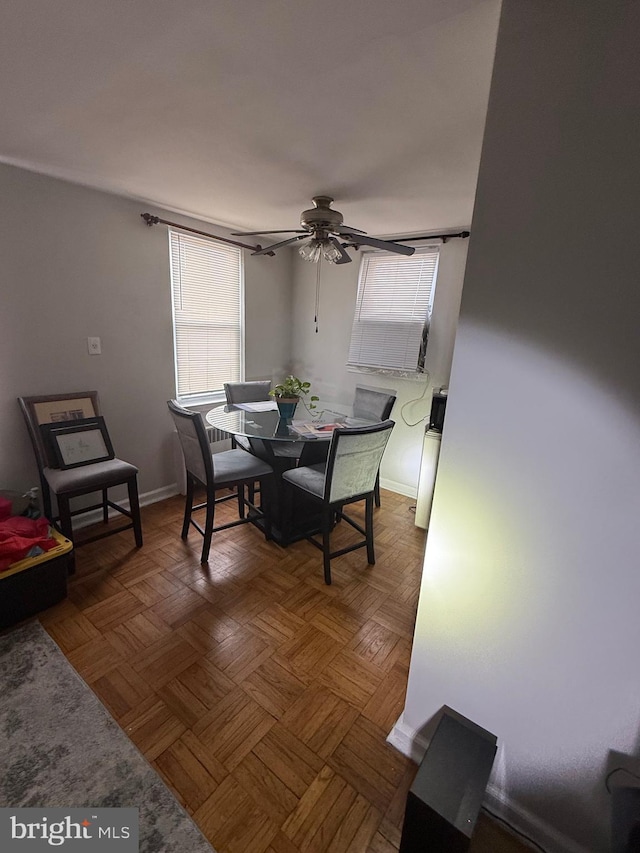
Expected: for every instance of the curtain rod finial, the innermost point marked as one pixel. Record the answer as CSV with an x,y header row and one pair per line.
x,y
149,219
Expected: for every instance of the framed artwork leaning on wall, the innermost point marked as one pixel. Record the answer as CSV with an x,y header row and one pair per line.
x,y
72,443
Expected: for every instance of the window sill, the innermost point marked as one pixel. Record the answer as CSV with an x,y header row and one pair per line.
x,y
411,375
198,402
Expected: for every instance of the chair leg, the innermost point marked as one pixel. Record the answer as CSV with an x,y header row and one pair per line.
x,y
134,505
368,526
46,499
208,527
376,489
241,504
327,524
286,511
105,507
64,513
267,515
187,507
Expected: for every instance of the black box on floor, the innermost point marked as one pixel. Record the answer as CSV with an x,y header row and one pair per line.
x,y
625,819
445,799
35,583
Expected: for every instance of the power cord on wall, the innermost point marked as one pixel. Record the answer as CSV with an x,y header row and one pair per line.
x,y
409,403
416,400
535,843
618,770
514,830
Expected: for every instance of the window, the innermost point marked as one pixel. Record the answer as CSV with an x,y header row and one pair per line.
x,y
393,309
207,288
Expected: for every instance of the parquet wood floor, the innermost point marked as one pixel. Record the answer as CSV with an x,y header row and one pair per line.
x,y
261,696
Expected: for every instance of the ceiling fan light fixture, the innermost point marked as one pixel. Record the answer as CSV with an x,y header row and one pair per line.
x,y
330,252
318,248
311,251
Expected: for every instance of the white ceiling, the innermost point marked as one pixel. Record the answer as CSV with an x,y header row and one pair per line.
x,y
239,111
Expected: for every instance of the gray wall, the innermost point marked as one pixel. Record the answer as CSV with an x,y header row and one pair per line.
x,y
528,617
322,357
77,262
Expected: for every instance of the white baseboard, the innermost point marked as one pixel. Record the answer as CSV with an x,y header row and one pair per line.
x,y
158,494
407,741
399,488
412,745
145,499
179,488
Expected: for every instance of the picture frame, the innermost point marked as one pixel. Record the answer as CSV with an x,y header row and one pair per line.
x,y
61,409
73,443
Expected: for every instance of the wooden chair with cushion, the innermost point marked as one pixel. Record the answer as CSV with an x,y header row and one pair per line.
x,y
349,475
373,403
67,484
230,469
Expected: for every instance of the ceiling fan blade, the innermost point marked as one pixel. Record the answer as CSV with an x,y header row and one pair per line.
x,y
268,249
347,229
256,233
344,257
387,245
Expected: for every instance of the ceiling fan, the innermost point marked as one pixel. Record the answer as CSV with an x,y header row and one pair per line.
x,y
326,235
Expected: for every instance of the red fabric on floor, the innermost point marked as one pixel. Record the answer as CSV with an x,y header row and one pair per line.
x,y
18,535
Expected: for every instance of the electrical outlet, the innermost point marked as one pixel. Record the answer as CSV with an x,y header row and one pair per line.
x,y
94,346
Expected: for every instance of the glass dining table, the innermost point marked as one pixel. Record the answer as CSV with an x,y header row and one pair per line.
x,y
285,443
262,420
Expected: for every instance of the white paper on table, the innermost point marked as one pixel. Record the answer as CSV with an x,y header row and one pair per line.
x,y
303,428
261,406
314,430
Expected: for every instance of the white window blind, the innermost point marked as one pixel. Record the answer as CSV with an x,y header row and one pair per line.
x,y
207,288
393,308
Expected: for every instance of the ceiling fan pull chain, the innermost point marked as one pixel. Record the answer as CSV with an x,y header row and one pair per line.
x,y
318,267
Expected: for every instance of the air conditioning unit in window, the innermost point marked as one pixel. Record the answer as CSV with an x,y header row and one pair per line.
x,y
393,311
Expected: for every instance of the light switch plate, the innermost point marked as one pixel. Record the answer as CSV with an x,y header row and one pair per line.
x,y
94,346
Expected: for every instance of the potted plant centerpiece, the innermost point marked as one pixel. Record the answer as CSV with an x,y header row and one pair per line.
x,y
289,392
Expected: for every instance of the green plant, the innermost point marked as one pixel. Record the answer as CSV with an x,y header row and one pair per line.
x,y
292,387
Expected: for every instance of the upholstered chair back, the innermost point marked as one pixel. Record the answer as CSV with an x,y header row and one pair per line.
x,y
247,392
194,443
370,403
354,460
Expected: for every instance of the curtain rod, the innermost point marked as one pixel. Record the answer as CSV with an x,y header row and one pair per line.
x,y
155,220
443,237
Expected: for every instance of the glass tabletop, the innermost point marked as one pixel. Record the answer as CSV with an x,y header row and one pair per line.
x,y
270,426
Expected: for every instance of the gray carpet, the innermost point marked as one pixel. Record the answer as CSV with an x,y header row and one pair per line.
x,y
60,747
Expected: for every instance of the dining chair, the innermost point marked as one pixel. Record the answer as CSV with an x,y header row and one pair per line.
x,y
65,484
256,391
349,475
229,469
374,403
